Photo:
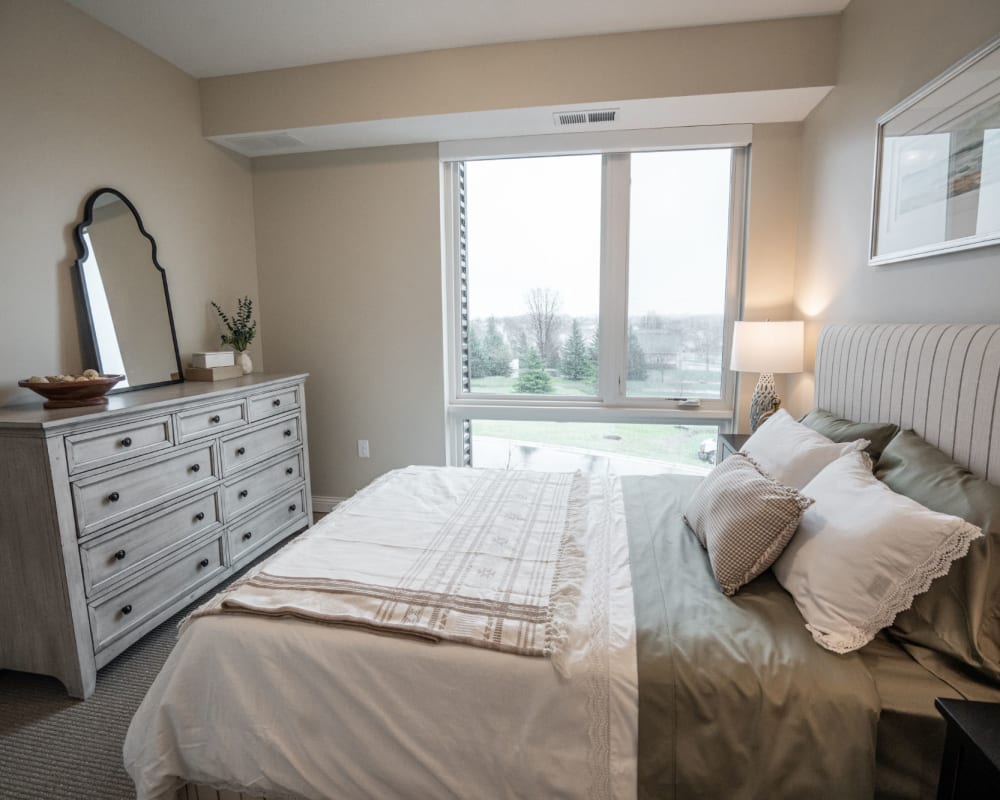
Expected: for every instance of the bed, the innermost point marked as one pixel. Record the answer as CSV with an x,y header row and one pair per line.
x,y
690,694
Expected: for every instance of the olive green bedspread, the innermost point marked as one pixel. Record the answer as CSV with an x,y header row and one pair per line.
x,y
735,699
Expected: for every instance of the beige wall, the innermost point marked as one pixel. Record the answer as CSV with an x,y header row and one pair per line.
x,y
83,107
888,49
777,54
772,219
349,249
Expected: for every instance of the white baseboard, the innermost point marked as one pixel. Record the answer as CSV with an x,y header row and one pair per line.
x,y
324,505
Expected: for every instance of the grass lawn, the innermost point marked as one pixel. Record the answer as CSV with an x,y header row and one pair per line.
x,y
676,444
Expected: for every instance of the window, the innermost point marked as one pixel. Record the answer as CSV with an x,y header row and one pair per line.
x,y
589,290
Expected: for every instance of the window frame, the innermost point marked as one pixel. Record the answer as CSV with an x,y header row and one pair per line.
x,y
611,404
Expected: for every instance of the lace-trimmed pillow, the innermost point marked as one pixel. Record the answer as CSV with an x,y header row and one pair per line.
x,y
863,552
744,518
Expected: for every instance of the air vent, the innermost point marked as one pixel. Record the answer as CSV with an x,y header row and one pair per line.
x,y
260,144
593,117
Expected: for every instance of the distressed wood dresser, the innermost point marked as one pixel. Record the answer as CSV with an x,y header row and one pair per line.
x,y
112,520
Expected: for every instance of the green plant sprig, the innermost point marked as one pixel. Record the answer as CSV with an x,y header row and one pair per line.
x,y
242,327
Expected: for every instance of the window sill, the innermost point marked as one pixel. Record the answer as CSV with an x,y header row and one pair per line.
x,y
593,411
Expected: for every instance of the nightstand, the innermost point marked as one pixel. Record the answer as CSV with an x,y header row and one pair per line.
x,y
729,443
970,767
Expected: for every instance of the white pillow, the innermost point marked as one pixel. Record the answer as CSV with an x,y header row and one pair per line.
x,y
862,552
792,453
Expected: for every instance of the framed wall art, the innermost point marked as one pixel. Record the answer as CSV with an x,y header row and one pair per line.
x,y
937,165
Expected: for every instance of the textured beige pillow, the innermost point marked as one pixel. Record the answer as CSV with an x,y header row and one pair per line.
x,y
744,518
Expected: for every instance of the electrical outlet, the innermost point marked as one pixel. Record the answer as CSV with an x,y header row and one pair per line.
x,y
363,448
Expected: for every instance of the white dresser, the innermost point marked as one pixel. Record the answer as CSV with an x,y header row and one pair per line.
x,y
111,520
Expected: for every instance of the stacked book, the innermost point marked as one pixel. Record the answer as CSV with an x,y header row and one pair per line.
x,y
216,366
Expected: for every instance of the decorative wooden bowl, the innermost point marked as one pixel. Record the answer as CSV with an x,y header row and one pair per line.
x,y
73,394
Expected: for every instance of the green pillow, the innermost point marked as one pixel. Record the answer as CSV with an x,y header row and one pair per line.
x,y
960,614
838,429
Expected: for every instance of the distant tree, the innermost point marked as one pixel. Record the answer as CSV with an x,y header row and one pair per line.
x,y
477,355
651,320
521,344
574,355
593,359
637,370
496,354
532,377
706,340
543,315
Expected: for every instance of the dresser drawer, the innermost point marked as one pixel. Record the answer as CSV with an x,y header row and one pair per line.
x,y
114,617
254,532
110,445
108,498
281,401
249,490
209,420
112,558
262,442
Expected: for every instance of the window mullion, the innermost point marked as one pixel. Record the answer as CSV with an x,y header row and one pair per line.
x,y
614,277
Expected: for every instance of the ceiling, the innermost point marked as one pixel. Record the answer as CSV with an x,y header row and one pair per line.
x,y
207,38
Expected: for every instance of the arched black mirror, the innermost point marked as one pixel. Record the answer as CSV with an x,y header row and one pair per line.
x,y
124,295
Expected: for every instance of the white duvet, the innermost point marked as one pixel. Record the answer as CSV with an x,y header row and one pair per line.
x,y
289,708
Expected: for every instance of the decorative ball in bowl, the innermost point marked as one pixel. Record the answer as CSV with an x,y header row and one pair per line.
x,y
72,391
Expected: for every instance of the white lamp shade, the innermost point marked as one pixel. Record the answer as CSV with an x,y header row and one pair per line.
x,y
768,346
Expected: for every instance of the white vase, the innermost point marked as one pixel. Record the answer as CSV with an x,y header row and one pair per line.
x,y
244,363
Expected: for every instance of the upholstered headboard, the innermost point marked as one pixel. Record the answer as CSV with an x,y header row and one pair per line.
x,y
941,381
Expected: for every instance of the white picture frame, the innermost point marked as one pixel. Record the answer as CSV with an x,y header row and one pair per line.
x,y
937,165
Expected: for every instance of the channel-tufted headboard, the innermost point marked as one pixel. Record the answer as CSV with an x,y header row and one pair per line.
x,y
941,380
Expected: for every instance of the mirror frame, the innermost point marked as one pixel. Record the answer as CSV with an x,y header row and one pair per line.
x,y
82,253
914,100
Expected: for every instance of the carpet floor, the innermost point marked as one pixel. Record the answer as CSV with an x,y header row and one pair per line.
x,y
53,747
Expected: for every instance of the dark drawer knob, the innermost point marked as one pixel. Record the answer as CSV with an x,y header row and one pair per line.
x,y
288,431
120,555
113,497
215,419
289,470
241,451
126,610
247,536
243,494
196,467
292,507
127,441
276,402
199,516
203,563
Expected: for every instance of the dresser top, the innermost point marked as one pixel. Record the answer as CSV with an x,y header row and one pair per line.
x,y
27,417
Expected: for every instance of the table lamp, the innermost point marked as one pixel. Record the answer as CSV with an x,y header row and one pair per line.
x,y
766,347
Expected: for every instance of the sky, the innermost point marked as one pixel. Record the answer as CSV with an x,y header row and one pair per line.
x,y
536,222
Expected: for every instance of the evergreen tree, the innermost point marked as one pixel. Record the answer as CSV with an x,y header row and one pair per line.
x,y
521,346
636,358
477,356
495,350
575,360
593,359
532,377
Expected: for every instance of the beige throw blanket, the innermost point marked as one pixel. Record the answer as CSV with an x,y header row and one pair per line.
x,y
497,563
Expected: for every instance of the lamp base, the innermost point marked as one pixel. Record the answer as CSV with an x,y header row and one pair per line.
x,y
765,400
